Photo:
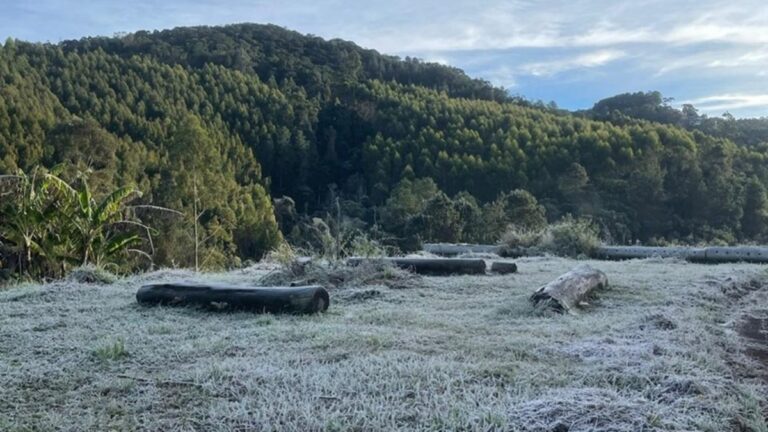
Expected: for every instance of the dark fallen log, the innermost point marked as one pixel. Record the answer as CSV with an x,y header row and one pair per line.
x,y
634,252
431,266
453,249
304,299
566,292
502,267
755,254
714,254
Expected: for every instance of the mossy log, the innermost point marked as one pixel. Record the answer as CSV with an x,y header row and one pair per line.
x,y
566,292
431,266
303,299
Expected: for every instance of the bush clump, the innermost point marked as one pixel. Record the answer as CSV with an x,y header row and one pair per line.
x,y
521,239
572,238
91,274
569,237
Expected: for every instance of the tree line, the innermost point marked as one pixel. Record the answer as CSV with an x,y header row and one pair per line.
x,y
216,122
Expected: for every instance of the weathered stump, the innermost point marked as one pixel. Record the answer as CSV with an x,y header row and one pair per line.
x,y
431,266
566,292
303,299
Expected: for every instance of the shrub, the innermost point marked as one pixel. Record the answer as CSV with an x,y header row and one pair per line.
x,y
571,237
284,254
91,274
517,238
364,246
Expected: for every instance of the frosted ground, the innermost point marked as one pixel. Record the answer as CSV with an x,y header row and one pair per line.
x,y
659,350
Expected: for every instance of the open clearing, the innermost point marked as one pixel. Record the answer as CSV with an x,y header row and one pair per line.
x,y
658,350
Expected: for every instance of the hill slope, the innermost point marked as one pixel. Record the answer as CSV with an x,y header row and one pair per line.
x,y
247,112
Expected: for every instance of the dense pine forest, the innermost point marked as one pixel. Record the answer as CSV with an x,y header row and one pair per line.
x,y
241,136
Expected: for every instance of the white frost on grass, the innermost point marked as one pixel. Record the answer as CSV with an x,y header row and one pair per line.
x,y
656,351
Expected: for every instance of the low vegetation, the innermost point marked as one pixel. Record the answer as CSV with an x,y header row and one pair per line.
x,y
657,351
111,352
569,237
48,225
337,274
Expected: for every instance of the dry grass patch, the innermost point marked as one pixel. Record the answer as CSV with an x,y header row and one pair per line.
x,y
338,274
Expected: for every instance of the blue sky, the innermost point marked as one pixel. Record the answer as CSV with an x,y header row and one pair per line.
x,y
711,53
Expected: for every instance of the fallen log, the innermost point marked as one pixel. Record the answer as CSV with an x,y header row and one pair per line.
x,y
502,267
754,254
714,254
453,249
431,266
566,292
304,299
639,252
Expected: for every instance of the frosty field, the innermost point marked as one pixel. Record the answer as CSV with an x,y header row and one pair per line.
x,y
658,350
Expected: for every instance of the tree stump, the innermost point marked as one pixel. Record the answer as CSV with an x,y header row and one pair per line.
x,y
566,292
303,299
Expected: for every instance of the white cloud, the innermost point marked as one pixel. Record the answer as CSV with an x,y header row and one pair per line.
x,y
493,24
726,102
586,60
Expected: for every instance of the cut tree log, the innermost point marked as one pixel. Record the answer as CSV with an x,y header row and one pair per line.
x,y
431,266
566,292
714,254
303,299
502,267
635,252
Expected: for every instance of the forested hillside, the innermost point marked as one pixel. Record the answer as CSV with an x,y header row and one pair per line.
x,y
652,106
215,123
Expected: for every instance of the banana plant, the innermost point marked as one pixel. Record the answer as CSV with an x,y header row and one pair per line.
x,y
46,222
93,223
28,216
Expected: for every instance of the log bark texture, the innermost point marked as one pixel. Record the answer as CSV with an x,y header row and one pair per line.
x,y
566,292
632,252
304,299
431,266
756,254
502,267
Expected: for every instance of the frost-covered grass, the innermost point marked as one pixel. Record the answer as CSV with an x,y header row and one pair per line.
x,y
657,351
